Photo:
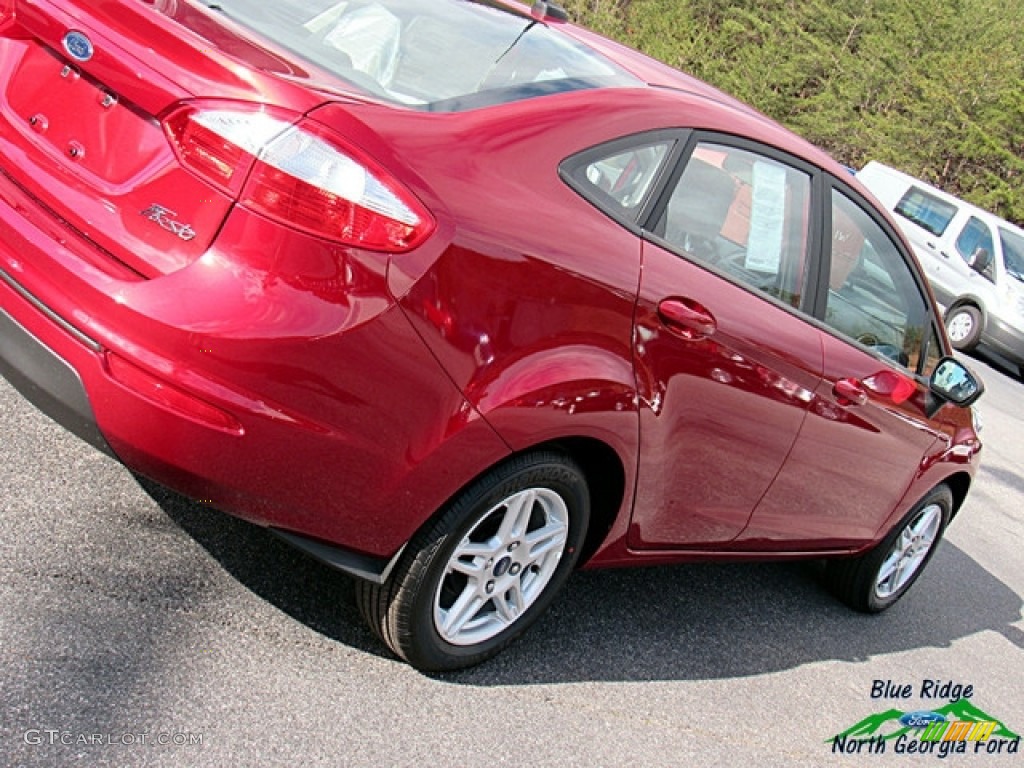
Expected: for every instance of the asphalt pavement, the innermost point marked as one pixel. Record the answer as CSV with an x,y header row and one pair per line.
x,y
139,629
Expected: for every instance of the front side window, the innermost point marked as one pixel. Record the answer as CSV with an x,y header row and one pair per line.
x,y
744,214
873,297
975,247
1013,253
933,354
925,210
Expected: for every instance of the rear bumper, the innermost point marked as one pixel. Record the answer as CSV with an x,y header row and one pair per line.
x,y
55,388
345,433
47,381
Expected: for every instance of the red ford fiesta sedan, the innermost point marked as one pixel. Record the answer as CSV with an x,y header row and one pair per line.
x,y
457,296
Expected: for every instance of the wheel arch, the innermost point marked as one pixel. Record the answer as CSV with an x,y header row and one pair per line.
x,y
959,483
606,480
968,300
605,475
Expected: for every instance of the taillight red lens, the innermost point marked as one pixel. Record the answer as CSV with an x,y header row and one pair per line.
x,y
308,179
300,174
220,142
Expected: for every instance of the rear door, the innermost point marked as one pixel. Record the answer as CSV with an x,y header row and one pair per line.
x,y
726,364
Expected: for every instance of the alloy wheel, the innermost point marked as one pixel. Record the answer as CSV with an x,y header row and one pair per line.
x,y
501,566
961,325
909,551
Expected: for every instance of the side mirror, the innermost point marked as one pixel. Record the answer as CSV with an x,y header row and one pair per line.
x,y
952,382
980,260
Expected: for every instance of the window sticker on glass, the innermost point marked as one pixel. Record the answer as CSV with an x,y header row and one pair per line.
x,y
767,217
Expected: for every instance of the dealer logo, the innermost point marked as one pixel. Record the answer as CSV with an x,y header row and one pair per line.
x,y
957,727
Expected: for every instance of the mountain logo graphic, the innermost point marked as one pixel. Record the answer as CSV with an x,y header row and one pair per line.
x,y
893,723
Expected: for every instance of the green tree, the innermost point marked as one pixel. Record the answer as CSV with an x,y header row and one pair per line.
x,y
934,87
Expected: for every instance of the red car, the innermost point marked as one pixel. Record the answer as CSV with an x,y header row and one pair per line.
x,y
457,296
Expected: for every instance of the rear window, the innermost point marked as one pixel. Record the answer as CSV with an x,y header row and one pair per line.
x,y
439,55
925,210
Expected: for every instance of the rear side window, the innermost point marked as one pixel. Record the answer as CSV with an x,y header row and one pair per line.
x,y
441,55
744,214
626,177
619,177
925,210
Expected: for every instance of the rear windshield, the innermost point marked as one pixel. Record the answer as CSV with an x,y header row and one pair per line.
x,y
439,55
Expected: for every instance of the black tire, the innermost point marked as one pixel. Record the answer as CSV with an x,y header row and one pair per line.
x,y
416,613
963,325
859,582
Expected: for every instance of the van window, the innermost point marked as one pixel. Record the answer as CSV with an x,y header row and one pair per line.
x,y
925,210
975,247
1013,253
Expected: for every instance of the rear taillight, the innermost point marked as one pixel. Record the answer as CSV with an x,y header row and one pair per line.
x,y
221,144
299,173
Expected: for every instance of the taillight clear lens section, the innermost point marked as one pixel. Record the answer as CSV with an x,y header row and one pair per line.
x,y
300,174
307,178
221,143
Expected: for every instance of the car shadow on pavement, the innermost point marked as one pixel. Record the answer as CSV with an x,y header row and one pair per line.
x,y
312,593
686,622
997,361
710,621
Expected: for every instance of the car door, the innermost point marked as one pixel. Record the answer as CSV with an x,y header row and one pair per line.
x,y
867,433
726,365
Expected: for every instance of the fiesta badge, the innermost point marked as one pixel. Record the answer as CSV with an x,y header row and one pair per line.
x,y
78,46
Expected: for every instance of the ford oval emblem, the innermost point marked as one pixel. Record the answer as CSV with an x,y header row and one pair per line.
x,y
78,46
921,719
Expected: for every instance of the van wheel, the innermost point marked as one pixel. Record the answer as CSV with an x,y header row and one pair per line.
x,y
963,324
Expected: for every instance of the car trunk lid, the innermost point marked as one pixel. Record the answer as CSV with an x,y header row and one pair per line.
x,y
86,86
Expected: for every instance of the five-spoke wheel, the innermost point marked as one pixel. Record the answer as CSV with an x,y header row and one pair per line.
x,y
501,566
908,553
486,568
877,579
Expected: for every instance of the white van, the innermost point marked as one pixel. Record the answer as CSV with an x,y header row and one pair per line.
x,y
973,259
